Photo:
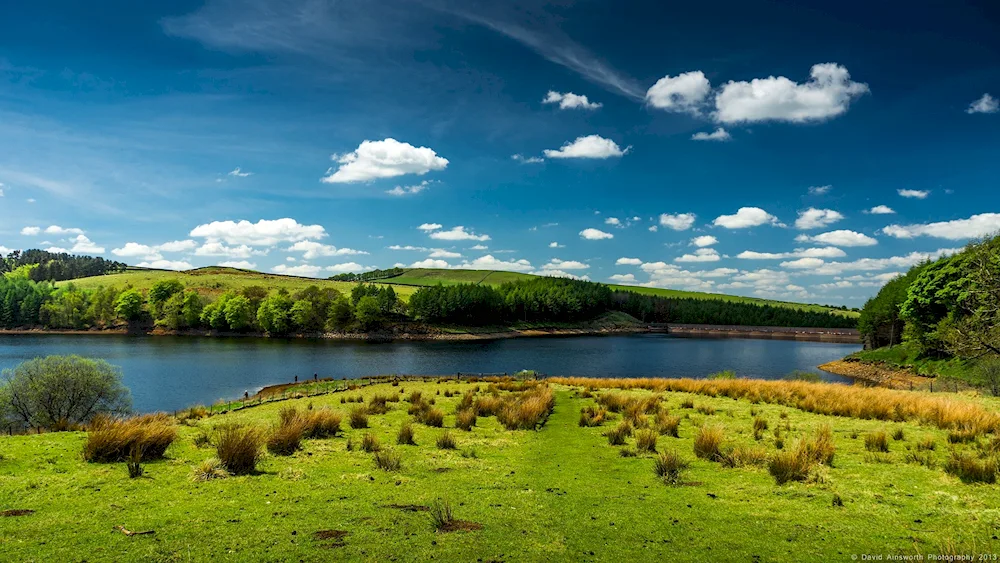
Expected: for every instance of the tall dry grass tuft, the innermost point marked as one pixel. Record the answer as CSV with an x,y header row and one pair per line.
x,y
115,439
592,416
209,469
358,417
528,409
969,469
405,435
431,417
617,435
667,425
488,405
877,442
321,423
446,441
707,442
286,438
645,440
795,464
465,419
388,460
668,466
239,448
378,404
868,403
370,443
744,456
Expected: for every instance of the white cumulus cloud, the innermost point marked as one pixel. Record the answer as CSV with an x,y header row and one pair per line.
x,y
881,210
827,94
400,191
430,226
981,225
262,233
569,100
820,252
746,217
346,267
813,218
914,194
985,104
591,146
628,262
700,255
557,264
684,93
387,158
677,221
312,249
220,249
84,245
819,190
704,240
166,265
302,270
841,237
719,134
488,262
595,234
527,159
442,253
623,278
457,233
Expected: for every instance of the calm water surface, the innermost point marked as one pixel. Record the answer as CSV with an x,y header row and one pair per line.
x,y
167,373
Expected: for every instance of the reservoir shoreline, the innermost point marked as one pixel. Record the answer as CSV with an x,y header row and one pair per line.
x,y
804,334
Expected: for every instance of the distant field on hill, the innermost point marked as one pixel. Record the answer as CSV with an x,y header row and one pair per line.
x,y
217,280
427,276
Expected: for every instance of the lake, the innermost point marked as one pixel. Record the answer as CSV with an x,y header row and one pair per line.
x,y
168,373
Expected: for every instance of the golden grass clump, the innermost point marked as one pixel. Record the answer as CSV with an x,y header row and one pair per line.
x,y
706,409
431,417
321,423
617,435
744,456
969,469
446,441
795,464
707,442
388,460
286,438
527,410
592,416
759,424
465,419
668,466
927,444
405,435
645,440
209,469
877,442
867,403
488,405
239,448
358,417
667,425
115,439
378,404
370,443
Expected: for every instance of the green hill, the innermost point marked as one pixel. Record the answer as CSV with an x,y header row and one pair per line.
x,y
215,280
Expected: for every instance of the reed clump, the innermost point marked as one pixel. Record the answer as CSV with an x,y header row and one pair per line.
x,y
591,416
707,441
239,448
115,439
405,435
668,466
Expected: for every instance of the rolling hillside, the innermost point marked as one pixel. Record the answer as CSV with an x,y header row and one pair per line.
x,y
217,280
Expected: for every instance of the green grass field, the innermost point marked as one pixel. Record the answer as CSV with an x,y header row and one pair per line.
x,y
217,280
561,493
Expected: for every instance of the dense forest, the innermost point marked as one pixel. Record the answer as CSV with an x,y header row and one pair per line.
x,y
48,266
563,300
946,308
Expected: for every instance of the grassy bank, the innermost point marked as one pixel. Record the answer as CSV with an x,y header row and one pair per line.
x,y
559,493
907,356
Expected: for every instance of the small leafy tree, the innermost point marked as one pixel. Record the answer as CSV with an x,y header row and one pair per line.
x,y
341,314
160,293
129,305
61,391
368,313
239,313
274,314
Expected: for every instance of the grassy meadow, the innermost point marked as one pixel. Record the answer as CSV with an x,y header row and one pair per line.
x,y
558,493
217,280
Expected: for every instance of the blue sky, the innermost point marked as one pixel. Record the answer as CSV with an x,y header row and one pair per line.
x,y
805,152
